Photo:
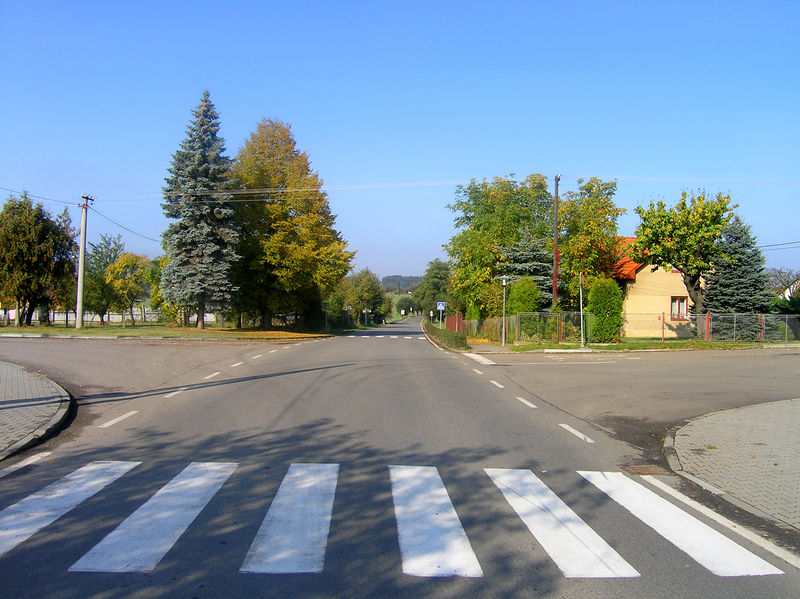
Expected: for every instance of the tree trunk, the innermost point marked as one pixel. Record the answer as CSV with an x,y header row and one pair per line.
x,y
133,320
16,316
201,315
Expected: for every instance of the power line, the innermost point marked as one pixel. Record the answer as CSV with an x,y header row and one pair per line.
x,y
35,197
111,220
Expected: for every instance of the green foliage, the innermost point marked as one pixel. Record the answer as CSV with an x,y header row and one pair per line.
x,y
737,282
201,240
400,283
605,303
291,253
128,277
490,216
363,292
99,294
37,254
406,302
683,238
450,339
589,241
523,296
533,258
434,287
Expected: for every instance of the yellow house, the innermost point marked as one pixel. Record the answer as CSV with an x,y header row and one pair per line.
x,y
656,302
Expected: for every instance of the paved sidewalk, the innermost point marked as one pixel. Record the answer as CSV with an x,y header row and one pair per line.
x,y
751,455
31,406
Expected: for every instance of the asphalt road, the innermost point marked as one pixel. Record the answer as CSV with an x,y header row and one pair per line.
x,y
370,451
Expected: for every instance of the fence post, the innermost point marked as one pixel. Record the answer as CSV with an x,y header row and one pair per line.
x,y
762,328
708,326
663,324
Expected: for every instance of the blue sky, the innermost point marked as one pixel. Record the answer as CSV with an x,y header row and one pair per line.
x,y
397,103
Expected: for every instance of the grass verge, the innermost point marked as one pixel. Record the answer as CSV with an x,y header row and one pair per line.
x,y
153,330
450,339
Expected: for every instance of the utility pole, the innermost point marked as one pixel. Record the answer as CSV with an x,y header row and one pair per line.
x,y
555,244
82,261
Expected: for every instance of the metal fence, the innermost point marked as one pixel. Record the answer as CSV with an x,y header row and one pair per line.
x,y
564,327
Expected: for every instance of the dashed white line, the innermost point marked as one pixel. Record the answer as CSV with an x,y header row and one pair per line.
x,y
212,375
237,364
273,351
256,357
578,434
498,385
174,393
119,419
23,463
526,402
476,371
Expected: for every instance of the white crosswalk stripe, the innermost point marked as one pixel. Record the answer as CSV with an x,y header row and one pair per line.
x,y
294,533
30,515
432,541
293,536
139,543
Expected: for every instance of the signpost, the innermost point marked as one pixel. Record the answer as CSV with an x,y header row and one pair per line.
x,y
440,307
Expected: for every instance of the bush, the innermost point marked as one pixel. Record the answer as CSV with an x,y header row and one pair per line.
x,y
605,302
523,296
450,339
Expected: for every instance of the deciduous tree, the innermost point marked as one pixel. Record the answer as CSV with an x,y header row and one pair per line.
x,y
201,240
683,237
99,294
128,276
434,287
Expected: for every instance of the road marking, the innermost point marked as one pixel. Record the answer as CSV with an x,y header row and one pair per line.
x,y
294,533
394,336
144,537
26,517
578,434
577,550
476,371
526,402
479,359
498,385
273,351
237,364
406,337
118,419
709,548
26,462
212,375
432,541
256,357
174,393
723,521
379,337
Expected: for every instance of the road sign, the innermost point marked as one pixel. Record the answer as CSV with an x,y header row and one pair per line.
x,y
440,306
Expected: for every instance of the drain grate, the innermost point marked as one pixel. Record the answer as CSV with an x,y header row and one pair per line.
x,y
643,469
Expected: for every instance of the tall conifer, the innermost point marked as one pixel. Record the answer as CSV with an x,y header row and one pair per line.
x,y
201,241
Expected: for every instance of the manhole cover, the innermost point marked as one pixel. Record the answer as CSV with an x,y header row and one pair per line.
x,y
643,469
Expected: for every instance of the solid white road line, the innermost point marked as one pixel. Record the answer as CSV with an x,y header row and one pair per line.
x,y
476,371
432,541
578,434
237,364
786,556
526,402
294,533
212,375
498,385
479,359
577,550
28,516
709,548
174,393
139,543
26,462
118,419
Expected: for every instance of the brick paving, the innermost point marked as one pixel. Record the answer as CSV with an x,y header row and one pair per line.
x,y
31,406
750,453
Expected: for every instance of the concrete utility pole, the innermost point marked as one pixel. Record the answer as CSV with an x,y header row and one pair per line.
x,y
555,244
82,261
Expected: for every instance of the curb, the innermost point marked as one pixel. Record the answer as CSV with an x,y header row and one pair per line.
x,y
144,338
64,404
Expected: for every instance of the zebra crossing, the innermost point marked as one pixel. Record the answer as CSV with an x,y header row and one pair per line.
x,y
293,536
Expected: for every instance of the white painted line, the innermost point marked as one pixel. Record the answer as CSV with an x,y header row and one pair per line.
x,y
394,336
293,536
212,375
576,548
174,393
709,548
578,434
379,337
786,556
273,351
144,537
479,359
22,463
256,357
286,346
420,337
498,385
118,419
26,517
432,541
237,364
526,402
406,337
476,371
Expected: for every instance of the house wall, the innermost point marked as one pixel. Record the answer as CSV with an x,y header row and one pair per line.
x,y
647,298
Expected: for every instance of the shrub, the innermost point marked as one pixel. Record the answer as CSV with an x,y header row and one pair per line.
x,y
605,302
523,296
450,339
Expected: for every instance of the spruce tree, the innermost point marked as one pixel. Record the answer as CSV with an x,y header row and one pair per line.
x,y
530,257
201,242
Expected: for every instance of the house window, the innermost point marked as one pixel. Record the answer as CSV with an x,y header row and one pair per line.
x,y
679,309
